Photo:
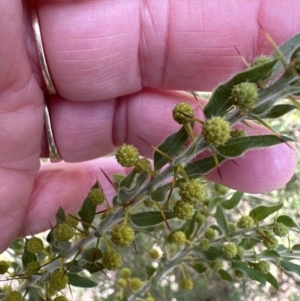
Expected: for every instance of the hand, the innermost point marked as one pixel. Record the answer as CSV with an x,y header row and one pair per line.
x,y
112,63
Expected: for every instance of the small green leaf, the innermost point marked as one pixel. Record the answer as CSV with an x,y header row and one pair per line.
x,y
269,254
290,267
91,254
287,220
150,270
213,253
261,212
272,280
220,100
188,227
150,218
279,110
198,267
251,273
80,281
160,194
60,216
238,146
221,220
127,182
225,275
296,247
233,201
248,243
86,213
34,294
171,146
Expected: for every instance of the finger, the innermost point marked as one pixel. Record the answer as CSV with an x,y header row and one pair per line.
x,y
104,49
66,185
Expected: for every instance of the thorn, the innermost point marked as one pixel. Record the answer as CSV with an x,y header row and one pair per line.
x,y
135,248
233,161
219,172
242,57
100,212
152,146
125,206
170,193
109,180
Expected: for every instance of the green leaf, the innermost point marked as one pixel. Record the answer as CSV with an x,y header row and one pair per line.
x,y
160,194
198,267
202,167
80,281
279,110
60,216
225,275
213,253
233,201
127,182
171,146
150,271
150,218
287,220
86,213
221,220
261,212
220,100
188,227
290,267
269,254
251,273
236,147
34,294
296,247
248,243
272,280
91,254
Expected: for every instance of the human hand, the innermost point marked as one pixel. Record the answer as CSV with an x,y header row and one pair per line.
x,y
113,63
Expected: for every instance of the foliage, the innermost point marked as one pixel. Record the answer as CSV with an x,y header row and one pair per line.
x,y
143,215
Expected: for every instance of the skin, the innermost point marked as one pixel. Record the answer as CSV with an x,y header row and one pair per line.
x,y
114,64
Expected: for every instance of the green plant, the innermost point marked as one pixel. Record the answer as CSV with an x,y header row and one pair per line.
x,y
168,204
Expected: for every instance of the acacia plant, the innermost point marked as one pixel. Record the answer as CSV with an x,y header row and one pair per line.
x,y
166,204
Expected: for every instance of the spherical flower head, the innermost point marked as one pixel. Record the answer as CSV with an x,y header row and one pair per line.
x,y
244,95
4,265
270,242
280,229
183,210
217,265
154,254
237,133
179,237
183,113
63,232
231,227
216,131
142,164
58,281
122,235
122,282
200,218
13,296
245,222
135,284
127,155
210,233
204,244
125,273
262,267
96,196
192,191
261,60
33,267
34,245
187,284
229,250
111,260
60,298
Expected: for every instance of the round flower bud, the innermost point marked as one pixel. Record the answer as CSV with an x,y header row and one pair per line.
x,y
33,267
261,60
210,233
245,222
71,220
270,242
13,296
179,237
192,192
122,235
183,113
127,155
4,265
34,245
60,298
183,210
217,265
262,267
244,95
58,281
142,164
63,232
135,284
222,190
241,251
111,260
236,133
216,131
229,250
204,244
125,273
154,254
96,196
231,227
187,284
200,218
122,282
280,229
